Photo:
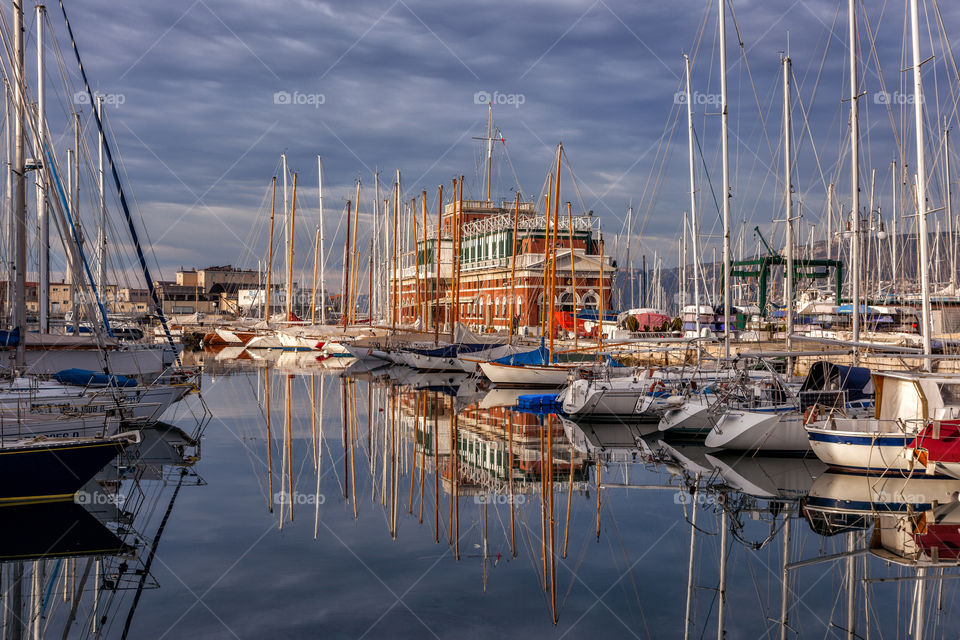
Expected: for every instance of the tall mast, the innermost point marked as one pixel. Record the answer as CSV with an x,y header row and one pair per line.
x,y
290,232
266,297
513,272
102,223
489,148
893,227
951,230
629,263
724,142
682,262
436,264
854,176
313,288
921,182
354,286
426,280
788,201
830,223
8,200
74,169
694,228
345,281
394,287
43,221
323,243
553,247
286,212
19,186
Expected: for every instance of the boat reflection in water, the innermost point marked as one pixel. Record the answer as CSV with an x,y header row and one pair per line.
x,y
684,532
77,567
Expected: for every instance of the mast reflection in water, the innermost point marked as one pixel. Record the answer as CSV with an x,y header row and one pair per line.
x,y
395,504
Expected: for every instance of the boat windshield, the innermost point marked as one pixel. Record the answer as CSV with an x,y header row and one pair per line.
x,y
950,394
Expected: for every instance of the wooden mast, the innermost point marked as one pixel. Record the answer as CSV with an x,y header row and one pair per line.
x,y
273,207
426,282
293,215
573,278
553,260
416,265
345,288
513,268
546,257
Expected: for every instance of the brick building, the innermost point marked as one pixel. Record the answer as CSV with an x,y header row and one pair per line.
x,y
486,264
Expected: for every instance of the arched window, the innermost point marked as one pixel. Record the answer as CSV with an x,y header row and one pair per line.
x,y
591,301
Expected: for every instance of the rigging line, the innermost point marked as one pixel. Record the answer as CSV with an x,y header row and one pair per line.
x,y
151,555
123,200
753,86
706,172
798,99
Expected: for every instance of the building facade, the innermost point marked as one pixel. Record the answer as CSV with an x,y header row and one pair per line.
x,y
490,275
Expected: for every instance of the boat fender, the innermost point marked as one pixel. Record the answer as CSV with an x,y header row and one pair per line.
x,y
810,415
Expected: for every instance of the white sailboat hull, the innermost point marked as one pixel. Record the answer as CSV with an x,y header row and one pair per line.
x,y
772,430
869,448
526,376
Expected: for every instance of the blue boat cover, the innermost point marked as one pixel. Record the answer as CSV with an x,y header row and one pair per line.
x,y
825,375
537,401
10,338
87,378
539,356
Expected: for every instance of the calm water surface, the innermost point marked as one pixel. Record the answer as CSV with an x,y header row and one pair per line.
x,y
336,519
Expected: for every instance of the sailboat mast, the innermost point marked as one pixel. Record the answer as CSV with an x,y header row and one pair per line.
x,y
436,263
694,228
724,142
354,285
40,180
286,213
313,288
19,187
854,177
323,243
489,149
102,195
426,280
76,277
553,248
266,297
345,280
788,202
290,232
951,229
629,262
573,272
921,183
513,270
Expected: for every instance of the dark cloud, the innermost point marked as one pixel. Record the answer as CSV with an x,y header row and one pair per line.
x,y
201,132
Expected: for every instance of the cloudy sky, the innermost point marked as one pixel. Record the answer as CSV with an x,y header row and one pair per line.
x,y
207,95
